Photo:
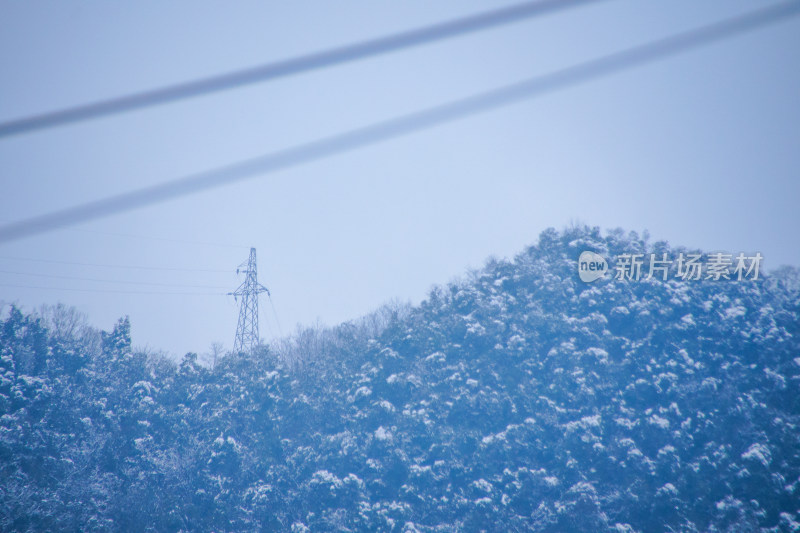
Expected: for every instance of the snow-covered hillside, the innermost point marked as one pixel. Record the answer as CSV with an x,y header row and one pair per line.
x,y
518,398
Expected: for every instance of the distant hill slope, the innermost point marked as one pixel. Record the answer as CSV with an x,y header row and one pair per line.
x,y
519,398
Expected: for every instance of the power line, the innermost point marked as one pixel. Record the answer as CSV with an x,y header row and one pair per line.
x,y
288,67
112,291
123,282
133,267
275,314
403,125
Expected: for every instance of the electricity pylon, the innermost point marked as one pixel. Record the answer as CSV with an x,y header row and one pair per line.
x,y
247,329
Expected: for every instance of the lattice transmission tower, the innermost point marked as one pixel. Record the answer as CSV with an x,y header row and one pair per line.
x,y
247,329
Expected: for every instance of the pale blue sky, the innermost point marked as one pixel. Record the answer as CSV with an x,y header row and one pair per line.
x,y
702,149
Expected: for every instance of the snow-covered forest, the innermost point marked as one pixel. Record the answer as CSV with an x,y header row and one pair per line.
x,y
517,398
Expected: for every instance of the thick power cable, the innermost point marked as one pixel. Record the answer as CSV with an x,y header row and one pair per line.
x,y
288,67
403,125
